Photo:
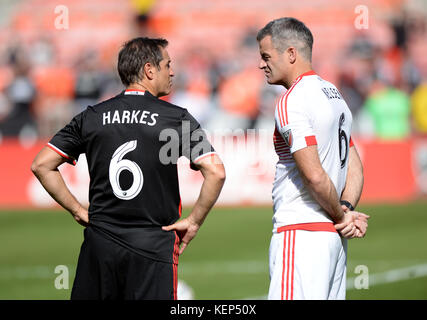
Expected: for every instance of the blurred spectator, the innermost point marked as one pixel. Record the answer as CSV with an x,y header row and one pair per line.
x,y
192,88
142,19
389,109
396,64
239,92
240,95
355,77
55,90
267,106
110,82
220,84
42,52
419,108
20,95
87,89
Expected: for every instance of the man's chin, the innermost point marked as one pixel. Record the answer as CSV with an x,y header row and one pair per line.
x,y
272,81
164,93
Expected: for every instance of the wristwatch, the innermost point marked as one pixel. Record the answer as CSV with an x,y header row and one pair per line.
x,y
347,204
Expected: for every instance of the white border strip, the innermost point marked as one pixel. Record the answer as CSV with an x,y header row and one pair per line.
x,y
204,155
59,150
62,153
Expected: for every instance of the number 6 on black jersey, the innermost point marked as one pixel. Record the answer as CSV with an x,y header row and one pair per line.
x,y
118,164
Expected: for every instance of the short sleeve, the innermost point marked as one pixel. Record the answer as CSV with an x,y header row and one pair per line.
x,y
194,142
68,142
294,124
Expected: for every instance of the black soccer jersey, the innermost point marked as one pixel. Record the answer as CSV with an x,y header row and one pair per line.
x,y
132,143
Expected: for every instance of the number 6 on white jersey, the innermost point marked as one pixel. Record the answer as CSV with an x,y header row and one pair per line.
x,y
117,165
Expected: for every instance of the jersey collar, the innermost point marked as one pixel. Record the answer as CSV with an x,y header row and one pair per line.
x,y
308,73
134,92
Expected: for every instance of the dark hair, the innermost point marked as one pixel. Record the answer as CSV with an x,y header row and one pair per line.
x,y
287,32
135,54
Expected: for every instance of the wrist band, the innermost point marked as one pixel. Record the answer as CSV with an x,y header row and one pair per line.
x,y
347,204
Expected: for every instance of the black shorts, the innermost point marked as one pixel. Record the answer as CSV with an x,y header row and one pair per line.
x,y
106,270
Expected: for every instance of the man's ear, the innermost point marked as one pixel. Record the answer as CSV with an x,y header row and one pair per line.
x,y
291,54
148,71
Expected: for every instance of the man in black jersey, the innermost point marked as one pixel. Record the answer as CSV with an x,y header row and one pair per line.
x,y
132,142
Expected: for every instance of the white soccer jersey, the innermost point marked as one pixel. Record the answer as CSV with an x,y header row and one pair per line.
x,y
311,112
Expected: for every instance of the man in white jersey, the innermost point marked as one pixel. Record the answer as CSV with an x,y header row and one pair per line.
x,y
319,175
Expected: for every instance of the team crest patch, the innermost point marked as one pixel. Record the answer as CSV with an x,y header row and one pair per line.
x,y
287,136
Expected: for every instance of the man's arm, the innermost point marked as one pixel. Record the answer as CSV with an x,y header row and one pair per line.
x,y
322,189
353,189
45,168
318,182
213,172
354,183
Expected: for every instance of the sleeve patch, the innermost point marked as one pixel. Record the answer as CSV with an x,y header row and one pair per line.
x,y
311,141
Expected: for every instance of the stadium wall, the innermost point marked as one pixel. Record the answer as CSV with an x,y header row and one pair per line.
x,y
394,172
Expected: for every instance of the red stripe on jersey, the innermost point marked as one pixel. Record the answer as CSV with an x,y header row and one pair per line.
x,y
283,266
308,73
209,154
286,98
280,144
287,273
131,90
298,79
279,107
293,266
313,226
175,259
175,281
311,140
283,152
351,142
281,147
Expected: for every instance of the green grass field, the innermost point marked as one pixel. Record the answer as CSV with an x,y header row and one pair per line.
x,y
227,260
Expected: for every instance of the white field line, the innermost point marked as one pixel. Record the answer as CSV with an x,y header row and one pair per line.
x,y
396,275
30,272
204,268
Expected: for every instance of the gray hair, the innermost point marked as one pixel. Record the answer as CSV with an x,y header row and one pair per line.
x,y
286,32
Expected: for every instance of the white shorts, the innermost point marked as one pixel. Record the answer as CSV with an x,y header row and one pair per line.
x,y
307,264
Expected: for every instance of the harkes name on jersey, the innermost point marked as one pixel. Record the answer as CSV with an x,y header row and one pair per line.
x,y
129,117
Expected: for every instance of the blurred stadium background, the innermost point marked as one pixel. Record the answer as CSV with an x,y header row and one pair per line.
x,y
57,57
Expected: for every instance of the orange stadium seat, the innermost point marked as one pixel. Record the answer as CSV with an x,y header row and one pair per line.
x,y
56,82
239,94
